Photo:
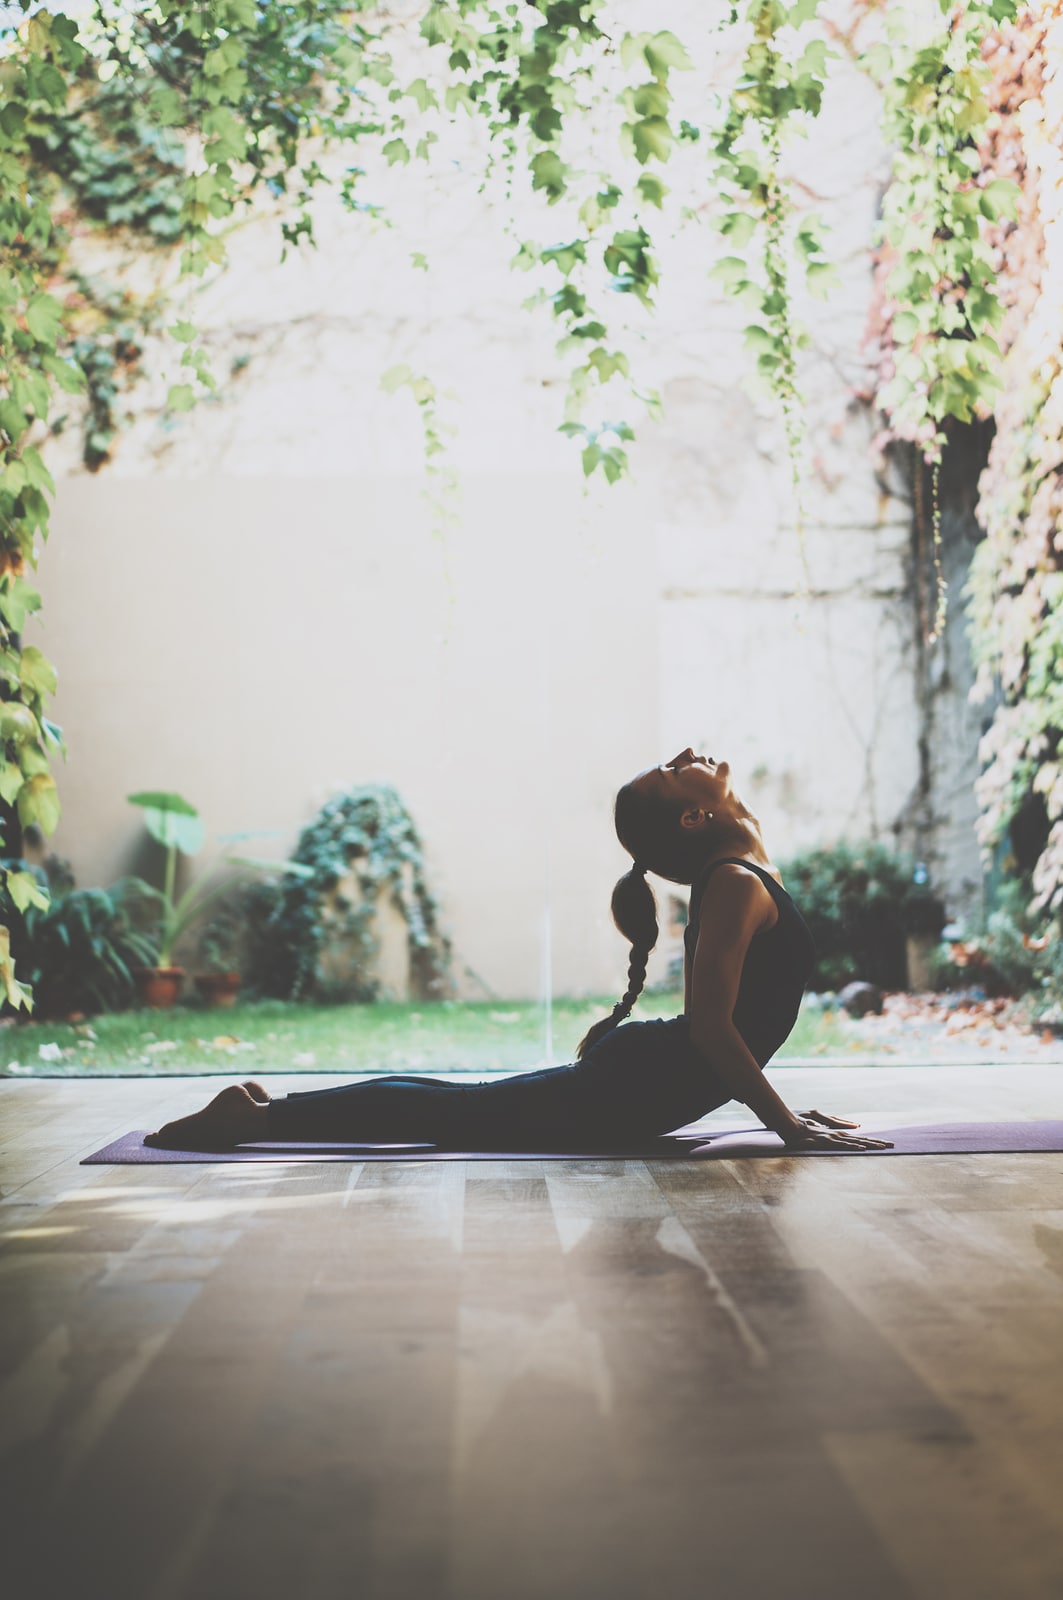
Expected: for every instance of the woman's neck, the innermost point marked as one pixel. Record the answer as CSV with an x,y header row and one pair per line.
x,y
745,841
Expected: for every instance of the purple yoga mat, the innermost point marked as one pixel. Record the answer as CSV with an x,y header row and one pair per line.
x,y
936,1139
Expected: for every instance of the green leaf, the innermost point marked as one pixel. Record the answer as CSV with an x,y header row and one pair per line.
x,y
1000,198
183,332
53,735
17,994
32,760
10,782
759,339
651,100
170,819
664,53
738,227
632,48
822,278
36,471
167,107
13,419
396,152
69,377
418,90
12,121
813,59
395,377
14,477
38,803
31,391
606,363
651,189
652,139
44,318
182,397
730,270
228,140
905,327
37,673
566,256
549,173
26,891
17,600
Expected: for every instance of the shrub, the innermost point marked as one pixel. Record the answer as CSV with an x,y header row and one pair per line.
x,y
1013,954
364,840
859,902
79,953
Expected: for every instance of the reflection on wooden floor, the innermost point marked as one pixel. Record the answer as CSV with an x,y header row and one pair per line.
x,y
495,1381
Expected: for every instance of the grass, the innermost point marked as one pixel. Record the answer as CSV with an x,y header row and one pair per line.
x,y
274,1036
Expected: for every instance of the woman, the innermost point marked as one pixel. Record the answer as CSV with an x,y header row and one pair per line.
x,y
748,956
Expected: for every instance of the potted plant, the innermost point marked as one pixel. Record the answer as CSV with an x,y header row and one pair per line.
x,y
175,823
219,949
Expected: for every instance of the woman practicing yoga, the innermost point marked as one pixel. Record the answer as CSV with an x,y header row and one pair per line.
x,y
748,956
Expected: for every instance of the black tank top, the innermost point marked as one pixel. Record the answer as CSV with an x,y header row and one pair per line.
x,y
778,964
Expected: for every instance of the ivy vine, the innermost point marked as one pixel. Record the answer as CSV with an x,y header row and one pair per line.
x,y
1016,589
368,833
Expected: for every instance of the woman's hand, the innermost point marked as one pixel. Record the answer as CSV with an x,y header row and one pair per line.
x,y
821,1119
820,1132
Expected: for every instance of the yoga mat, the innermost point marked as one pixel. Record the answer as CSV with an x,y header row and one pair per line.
x,y
935,1139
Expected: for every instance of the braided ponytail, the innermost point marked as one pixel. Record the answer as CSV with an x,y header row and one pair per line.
x,y
635,914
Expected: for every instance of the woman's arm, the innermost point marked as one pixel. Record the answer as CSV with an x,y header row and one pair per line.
x,y
735,907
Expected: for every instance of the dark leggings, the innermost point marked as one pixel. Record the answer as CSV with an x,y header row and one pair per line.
x,y
639,1081
391,1110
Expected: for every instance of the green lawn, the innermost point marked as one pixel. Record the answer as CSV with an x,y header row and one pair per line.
x,y
272,1036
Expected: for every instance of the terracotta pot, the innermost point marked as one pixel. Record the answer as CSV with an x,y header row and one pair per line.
x,y
158,987
218,988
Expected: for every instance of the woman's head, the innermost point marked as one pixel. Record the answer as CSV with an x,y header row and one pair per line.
x,y
669,819
672,817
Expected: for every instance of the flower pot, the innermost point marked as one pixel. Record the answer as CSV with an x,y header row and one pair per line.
x,y
158,987
218,988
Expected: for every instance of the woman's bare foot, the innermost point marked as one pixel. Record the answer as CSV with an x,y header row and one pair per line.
x,y
232,1117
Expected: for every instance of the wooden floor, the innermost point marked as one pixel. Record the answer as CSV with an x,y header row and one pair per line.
x,y
507,1381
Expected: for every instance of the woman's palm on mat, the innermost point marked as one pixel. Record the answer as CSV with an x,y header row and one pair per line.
x,y
824,1132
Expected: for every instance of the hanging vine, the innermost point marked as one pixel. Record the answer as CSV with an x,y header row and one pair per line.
x,y
941,314
779,87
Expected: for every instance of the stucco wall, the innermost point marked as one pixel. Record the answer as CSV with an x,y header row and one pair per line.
x,y
249,604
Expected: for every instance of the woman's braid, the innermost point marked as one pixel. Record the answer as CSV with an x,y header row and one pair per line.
x,y
635,914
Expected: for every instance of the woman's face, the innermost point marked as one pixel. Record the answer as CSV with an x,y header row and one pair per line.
x,y
699,783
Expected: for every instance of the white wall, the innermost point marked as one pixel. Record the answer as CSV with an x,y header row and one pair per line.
x,y
249,604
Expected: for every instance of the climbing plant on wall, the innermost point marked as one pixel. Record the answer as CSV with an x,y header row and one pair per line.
x,y
1016,609
163,120
365,841
1009,274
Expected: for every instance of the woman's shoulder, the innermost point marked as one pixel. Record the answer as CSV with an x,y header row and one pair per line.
x,y
732,887
737,874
